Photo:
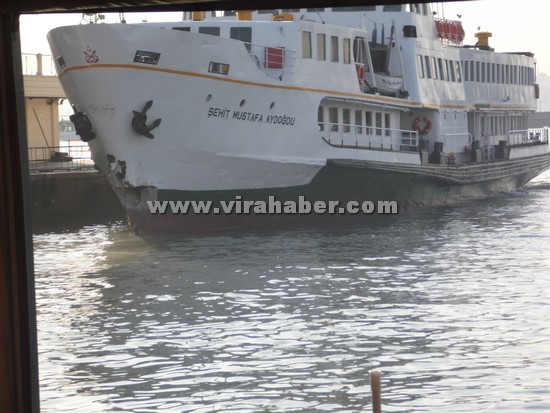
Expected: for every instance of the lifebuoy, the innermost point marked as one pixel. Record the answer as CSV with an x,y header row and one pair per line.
x,y
423,125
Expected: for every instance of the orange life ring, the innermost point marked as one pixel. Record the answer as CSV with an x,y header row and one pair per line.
x,y
423,125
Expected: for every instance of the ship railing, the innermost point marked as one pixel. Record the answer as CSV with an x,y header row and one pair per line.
x,y
65,157
528,136
276,62
369,137
38,64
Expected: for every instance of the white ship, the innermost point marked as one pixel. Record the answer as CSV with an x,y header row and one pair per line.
x,y
351,103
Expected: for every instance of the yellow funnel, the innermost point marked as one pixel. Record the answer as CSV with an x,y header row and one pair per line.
x,y
483,38
198,16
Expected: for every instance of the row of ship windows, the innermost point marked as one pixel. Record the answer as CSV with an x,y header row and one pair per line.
x,y
363,121
430,67
500,125
421,8
321,47
498,73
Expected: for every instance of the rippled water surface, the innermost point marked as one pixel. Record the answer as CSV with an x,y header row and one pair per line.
x,y
452,304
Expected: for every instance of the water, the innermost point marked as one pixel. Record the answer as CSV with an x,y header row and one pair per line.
x,y
451,304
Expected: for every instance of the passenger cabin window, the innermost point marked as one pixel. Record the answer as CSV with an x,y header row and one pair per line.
x,y
291,10
427,67
387,124
321,118
182,29
316,9
368,123
452,71
265,11
244,34
441,71
333,48
214,31
347,51
321,46
420,64
346,120
358,121
378,120
333,119
434,69
306,45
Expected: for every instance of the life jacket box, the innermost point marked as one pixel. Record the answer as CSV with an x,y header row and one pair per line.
x,y
274,57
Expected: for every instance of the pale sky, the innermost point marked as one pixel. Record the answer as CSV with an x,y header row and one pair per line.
x,y
516,25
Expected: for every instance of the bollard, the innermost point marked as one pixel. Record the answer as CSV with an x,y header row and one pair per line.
x,y
376,390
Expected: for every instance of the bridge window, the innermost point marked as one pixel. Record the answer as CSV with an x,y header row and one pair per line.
x,y
214,31
465,70
321,46
347,51
333,48
183,29
306,45
392,7
244,34
357,8
458,73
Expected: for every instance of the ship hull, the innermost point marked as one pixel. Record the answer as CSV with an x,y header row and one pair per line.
x,y
383,187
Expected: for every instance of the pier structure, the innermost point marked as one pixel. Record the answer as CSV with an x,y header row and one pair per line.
x,y
63,181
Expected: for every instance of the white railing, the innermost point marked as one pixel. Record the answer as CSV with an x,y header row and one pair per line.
x,y
369,137
38,64
276,62
528,136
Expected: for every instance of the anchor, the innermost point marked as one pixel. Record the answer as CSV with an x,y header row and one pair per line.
x,y
139,121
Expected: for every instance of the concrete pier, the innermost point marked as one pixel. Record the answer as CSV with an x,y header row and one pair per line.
x,y
72,196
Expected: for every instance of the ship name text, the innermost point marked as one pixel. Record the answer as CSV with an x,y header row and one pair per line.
x,y
225,113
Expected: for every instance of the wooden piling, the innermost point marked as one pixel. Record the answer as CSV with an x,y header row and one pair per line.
x,y
376,390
